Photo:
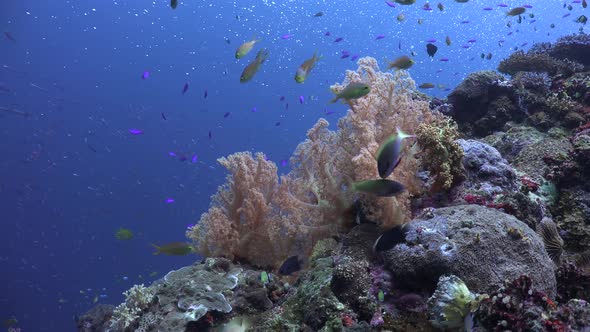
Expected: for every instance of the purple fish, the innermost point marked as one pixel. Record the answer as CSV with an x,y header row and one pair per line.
x,y
471,41
254,110
284,162
327,33
210,135
339,39
524,44
503,5
439,71
169,200
9,36
379,37
185,88
282,98
301,99
182,157
172,154
329,112
354,57
431,40
465,46
163,116
510,33
194,158
487,8
527,6
565,15
286,106
277,124
226,114
444,59
134,131
286,36
390,4
345,55
532,21
205,94
465,22
145,75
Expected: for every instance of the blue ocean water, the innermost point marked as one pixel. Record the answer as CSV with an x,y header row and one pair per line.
x,y
71,173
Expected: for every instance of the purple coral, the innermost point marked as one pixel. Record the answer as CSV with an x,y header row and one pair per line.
x,y
381,280
517,307
536,81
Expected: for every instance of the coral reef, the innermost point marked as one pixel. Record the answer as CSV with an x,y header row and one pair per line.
x,y
487,173
574,47
96,319
441,155
309,203
473,243
537,61
503,212
518,306
483,102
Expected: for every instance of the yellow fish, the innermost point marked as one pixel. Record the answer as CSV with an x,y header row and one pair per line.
x,y
305,68
245,48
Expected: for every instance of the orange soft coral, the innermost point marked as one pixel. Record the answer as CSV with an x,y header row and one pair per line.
x,y
391,104
256,217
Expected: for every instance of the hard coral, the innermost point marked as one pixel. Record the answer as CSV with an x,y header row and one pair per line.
x,y
533,81
442,156
532,61
575,47
518,307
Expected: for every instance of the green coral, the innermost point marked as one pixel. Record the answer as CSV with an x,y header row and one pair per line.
x,y
450,303
561,103
442,155
313,303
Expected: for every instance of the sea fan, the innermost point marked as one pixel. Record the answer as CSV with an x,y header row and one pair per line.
x,y
583,260
551,238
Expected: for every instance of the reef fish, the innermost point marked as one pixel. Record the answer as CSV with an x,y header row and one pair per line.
x,y
173,3
290,266
403,62
124,234
426,86
391,238
380,187
352,91
305,68
253,66
388,154
245,48
431,49
516,11
174,249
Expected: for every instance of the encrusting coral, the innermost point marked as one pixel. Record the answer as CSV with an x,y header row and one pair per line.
x,y
443,156
256,217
